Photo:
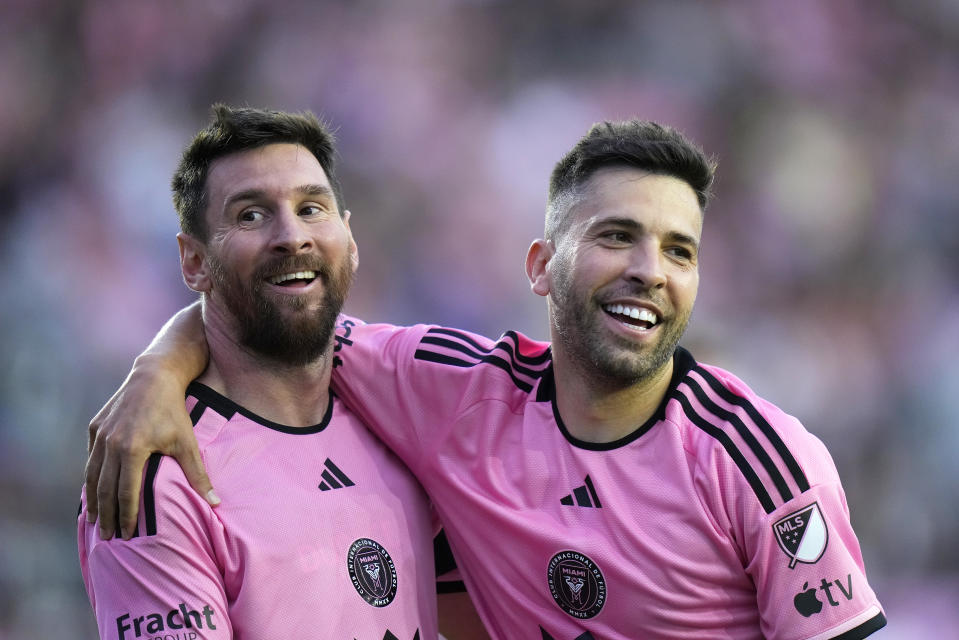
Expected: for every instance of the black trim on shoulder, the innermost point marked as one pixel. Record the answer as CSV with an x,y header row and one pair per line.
x,y
482,354
197,412
523,370
454,586
745,433
867,628
546,390
439,358
149,499
516,355
227,408
798,475
731,449
682,363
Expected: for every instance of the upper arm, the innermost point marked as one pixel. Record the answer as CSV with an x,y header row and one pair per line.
x,y
160,580
805,559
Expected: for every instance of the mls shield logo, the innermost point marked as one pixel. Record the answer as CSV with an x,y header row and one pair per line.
x,y
802,535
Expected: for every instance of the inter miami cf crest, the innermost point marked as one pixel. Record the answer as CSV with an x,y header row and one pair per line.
x,y
576,584
802,535
372,572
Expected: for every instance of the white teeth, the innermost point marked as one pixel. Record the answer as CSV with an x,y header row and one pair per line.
x,y
299,275
635,313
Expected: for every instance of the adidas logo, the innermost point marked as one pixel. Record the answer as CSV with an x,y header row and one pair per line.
x,y
585,496
333,477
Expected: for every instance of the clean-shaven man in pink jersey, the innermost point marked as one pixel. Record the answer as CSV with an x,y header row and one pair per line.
x,y
605,485
322,531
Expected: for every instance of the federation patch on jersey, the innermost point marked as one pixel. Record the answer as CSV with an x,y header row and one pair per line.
x,y
802,535
372,572
576,584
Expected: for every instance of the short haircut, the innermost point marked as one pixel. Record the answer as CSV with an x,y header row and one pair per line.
x,y
235,129
638,144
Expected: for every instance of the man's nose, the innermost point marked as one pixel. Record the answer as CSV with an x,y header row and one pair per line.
x,y
290,235
646,265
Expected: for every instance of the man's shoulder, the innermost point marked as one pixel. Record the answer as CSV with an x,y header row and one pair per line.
x,y
513,359
727,426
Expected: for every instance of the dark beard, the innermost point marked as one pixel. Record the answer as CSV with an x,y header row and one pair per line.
x,y
590,350
294,339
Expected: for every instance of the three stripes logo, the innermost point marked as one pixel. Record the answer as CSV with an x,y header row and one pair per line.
x,y
333,477
584,496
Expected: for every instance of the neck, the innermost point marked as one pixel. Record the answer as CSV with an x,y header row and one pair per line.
x,y
296,396
599,410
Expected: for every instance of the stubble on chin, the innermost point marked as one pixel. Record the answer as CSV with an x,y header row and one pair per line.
x,y
284,331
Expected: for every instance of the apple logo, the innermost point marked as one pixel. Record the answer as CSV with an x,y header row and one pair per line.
x,y
806,601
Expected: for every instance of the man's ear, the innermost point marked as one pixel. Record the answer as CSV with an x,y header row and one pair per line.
x,y
354,252
196,273
537,265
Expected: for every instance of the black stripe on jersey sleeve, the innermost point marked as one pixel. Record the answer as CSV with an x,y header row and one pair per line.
x,y
149,499
482,354
429,356
517,356
542,358
746,435
867,628
732,450
763,425
153,465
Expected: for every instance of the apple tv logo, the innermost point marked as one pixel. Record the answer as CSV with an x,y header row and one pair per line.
x,y
808,604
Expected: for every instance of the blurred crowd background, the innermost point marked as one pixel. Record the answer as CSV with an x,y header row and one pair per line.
x,y
830,258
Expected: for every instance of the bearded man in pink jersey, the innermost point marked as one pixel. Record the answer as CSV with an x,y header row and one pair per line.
x,y
322,532
605,485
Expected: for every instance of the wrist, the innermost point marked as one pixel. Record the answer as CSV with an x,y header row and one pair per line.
x,y
160,367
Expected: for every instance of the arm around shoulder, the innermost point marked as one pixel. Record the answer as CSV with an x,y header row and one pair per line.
x,y
146,415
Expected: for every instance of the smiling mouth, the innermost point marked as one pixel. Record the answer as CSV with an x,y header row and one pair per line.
x,y
295,279
634,316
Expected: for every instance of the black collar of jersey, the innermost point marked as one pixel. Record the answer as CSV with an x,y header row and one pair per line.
x,y
227,408
683,362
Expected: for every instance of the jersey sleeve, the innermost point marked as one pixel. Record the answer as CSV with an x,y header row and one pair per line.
x,y
166,579
803,556
774,491
395,386
806,561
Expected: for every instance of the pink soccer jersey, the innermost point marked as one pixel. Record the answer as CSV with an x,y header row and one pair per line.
x,y
720,517
321,533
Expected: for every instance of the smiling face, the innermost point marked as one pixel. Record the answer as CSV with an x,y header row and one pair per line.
x,y
280,258
621,280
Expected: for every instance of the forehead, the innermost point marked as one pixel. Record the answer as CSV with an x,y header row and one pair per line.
x,y
273,169
654,201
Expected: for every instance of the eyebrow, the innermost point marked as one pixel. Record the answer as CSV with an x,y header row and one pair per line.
x,y
633,225
260,194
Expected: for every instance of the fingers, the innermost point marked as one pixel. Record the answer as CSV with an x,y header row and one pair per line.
x,y
129,480
192,464
106,490
92,474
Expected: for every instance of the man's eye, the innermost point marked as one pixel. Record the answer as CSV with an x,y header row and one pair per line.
x,y
250,215
680,252
311,210
617,236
